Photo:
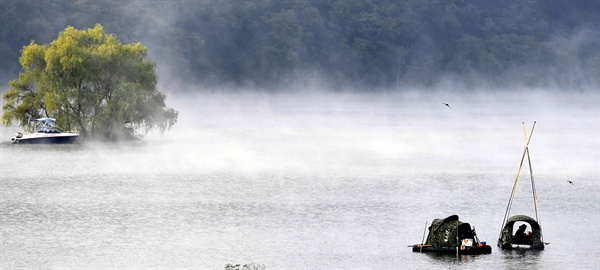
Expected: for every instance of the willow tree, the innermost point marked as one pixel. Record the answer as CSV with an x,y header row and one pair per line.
x,y
89,82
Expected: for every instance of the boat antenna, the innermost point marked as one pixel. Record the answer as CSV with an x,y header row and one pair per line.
x,y
512,195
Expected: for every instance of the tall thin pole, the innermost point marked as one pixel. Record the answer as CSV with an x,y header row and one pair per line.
x,y
423,239
457,240
537,216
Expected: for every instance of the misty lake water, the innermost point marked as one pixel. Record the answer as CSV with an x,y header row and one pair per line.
x,y
309,181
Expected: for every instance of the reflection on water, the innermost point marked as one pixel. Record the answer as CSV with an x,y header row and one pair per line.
x,y
530,259
333,185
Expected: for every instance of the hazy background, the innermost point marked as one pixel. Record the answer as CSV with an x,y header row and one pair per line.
x,y
364,45
395,125
312,134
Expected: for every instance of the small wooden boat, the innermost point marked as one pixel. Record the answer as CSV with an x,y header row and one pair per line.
x,y
452,236
521,239
530,240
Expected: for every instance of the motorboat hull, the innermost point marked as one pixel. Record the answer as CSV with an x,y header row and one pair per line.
x,y
43,138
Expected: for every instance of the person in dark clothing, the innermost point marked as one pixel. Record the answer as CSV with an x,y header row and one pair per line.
x,y
520,237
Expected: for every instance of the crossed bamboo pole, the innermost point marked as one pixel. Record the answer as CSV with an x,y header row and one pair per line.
x,y
512,195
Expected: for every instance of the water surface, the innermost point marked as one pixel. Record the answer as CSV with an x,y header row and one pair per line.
x,y
308,181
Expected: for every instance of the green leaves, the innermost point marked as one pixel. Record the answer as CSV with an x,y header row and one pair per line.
x,y
91,82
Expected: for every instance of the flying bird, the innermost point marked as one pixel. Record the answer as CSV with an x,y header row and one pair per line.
x,y
570,182
447,105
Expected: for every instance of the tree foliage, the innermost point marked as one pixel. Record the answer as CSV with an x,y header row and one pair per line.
x,y
89,82
357,42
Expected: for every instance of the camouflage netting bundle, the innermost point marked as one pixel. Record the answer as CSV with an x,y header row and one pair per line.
x,y
448,232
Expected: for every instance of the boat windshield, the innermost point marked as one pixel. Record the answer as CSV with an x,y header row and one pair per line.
x,y
46,125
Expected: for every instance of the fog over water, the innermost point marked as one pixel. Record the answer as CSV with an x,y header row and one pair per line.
x,y
315,130
309,179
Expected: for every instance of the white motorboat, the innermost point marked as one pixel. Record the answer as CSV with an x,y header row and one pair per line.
x,y
46,132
